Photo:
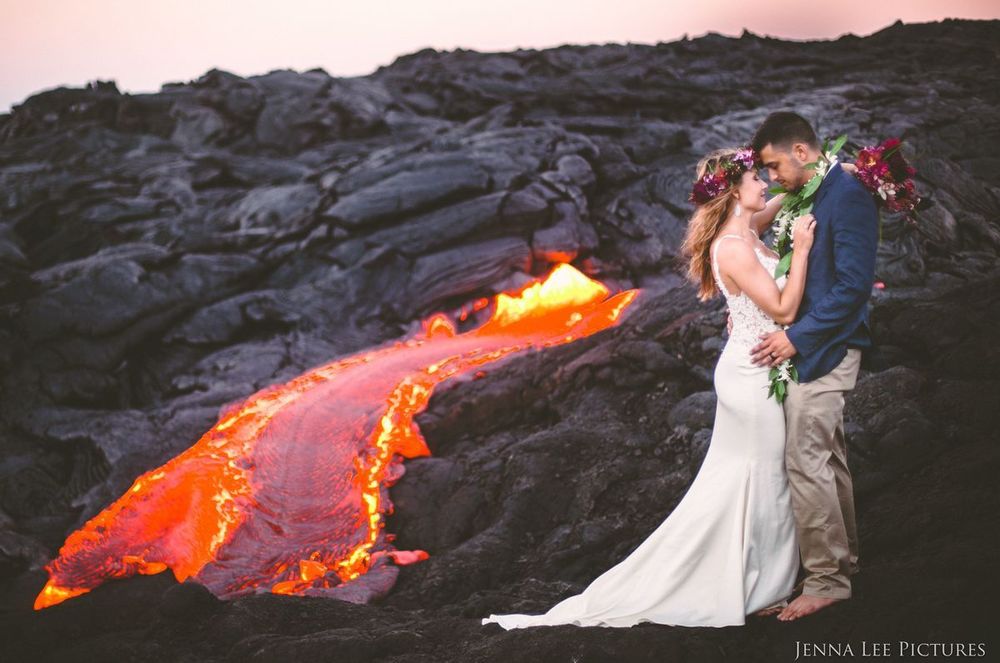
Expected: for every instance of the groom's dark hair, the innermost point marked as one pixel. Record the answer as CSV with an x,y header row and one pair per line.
x,y
783,128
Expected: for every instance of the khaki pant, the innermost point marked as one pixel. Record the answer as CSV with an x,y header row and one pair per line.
x,y
819,481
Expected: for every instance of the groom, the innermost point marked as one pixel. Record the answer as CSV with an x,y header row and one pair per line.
x,y
826,340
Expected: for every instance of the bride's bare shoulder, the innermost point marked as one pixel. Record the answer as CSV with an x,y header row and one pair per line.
x,y
733,250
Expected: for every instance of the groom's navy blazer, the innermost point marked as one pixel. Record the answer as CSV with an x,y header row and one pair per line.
x,y
833,315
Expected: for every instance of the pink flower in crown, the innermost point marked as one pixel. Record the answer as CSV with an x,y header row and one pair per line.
x,y
746,157
729,172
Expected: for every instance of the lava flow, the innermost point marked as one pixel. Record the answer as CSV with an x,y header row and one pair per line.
x,y
286,493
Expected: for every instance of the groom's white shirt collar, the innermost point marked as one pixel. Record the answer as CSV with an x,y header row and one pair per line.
x,y
833,162
826,175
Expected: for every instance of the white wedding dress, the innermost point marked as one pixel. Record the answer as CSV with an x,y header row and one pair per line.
x,y
729,547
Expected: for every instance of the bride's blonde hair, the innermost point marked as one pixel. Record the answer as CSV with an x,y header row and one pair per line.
x,y
704,227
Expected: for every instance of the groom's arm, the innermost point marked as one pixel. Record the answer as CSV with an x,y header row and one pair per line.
x,y
854,224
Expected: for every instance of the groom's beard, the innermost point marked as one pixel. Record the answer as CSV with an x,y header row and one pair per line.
x,y
795,188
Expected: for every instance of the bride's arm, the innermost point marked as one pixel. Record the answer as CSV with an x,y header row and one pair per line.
x,y
738,261
742,266
762,220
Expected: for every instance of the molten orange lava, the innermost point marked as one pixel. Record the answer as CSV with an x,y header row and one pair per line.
x,y
286,493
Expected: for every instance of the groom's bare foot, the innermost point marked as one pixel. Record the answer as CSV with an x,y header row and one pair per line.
x,y
805,605
764,612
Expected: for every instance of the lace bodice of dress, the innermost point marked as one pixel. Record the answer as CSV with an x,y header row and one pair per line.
x,y
749,320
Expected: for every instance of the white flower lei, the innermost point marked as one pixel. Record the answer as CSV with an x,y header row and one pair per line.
x,y
793,206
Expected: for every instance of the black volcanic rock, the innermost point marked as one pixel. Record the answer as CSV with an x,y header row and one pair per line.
x,y
165,255
188,600
694,411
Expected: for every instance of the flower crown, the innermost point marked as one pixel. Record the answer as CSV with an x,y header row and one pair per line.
x,y
728,172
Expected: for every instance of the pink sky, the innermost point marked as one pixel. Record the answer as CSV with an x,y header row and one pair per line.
x,y
48,43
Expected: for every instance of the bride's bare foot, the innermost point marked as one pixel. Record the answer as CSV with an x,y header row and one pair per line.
x,y
805,605
764,612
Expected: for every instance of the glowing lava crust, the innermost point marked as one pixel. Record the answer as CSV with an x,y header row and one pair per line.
x,y
286,493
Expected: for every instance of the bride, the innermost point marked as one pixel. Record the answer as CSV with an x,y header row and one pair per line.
x,y
729,547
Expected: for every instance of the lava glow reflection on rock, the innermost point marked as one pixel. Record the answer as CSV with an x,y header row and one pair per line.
x,y
286,493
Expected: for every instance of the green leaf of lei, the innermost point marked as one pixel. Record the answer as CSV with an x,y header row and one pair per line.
x,y
837,145
783,265
812,186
